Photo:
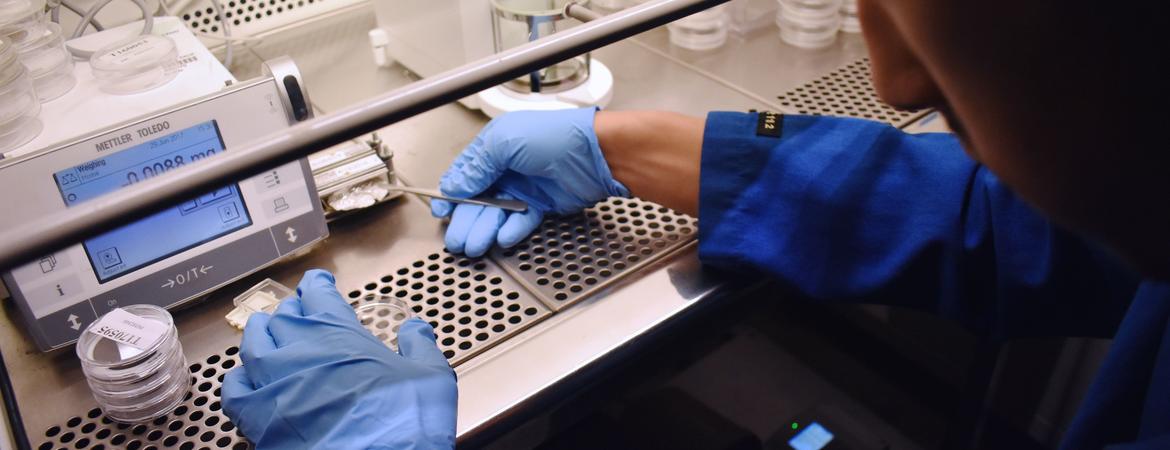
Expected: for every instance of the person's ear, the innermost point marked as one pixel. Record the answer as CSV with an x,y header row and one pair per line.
x,y
898,74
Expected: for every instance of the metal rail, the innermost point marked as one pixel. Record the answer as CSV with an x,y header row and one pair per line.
x,y
49,233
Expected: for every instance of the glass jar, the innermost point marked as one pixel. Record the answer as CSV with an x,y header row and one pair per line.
x,y
518,22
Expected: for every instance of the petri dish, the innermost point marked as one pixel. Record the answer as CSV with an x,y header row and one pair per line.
x,y
810,8
809,23
13,8
133,385
19,105
704,30
56,82
18,20
135,65
382,317
49,64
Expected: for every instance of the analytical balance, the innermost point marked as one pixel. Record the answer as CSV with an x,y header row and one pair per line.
x,y
178,254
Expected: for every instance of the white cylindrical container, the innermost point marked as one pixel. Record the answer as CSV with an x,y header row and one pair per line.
x,y
134,385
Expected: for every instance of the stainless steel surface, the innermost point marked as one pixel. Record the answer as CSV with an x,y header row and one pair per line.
x,y
847,91
570,258
760,65
198,421
471,303
533,363
38,235
502,203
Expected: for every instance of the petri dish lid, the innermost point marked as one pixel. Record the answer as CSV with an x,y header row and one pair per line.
x,y
22,23
382,318
142,61
100,351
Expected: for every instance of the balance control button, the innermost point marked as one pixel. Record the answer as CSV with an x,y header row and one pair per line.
x,y
65,325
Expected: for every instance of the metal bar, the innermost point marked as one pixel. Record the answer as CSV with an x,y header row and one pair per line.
x,y
107,212
580,12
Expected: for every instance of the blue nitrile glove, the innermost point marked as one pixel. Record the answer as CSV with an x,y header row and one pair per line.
x,y
312,377
549,159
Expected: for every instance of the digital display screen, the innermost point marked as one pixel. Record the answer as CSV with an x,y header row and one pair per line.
x,y
166,233
812,437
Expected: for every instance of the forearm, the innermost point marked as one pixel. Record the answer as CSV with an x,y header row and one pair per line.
x,y
861,211
656,154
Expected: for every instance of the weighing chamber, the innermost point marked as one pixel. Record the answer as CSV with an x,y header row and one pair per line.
x,y
522,326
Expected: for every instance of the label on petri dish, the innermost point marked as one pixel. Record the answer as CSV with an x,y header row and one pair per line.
x,y
128,329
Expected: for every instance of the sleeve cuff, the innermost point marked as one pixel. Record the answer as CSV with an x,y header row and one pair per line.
x,y
737,150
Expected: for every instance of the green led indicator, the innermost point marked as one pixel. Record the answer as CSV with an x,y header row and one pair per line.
x,y
795,425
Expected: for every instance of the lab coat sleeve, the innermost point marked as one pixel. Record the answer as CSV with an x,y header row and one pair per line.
x,y
848,209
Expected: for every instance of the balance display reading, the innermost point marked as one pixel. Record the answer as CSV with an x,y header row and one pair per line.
x,y
166,233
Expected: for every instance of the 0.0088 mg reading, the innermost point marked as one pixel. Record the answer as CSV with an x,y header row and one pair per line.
x,y
160,167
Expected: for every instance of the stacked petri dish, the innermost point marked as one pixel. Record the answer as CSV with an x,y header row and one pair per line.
x,y
809,23
48,61
18,102
704,30
849,21
41,46
132,385
748,16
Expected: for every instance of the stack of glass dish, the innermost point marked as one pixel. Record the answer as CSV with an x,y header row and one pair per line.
x,y
748,16
41,46
849,21
135,385
18,102
704,30
809,23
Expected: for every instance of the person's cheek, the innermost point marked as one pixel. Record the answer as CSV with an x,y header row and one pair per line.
x,y
900,77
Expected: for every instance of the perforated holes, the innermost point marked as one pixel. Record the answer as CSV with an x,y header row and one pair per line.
x,y
847,91
462,289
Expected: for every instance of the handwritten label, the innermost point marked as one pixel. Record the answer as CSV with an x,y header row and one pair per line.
x,y
128,329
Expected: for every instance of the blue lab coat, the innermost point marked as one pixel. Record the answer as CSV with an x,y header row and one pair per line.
x,y
857,210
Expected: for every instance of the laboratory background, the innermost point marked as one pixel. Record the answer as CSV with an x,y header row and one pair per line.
x,y
600,330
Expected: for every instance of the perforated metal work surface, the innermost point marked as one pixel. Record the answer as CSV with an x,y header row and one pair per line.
x,y
249,17
569,258
198,422
847,91
471,303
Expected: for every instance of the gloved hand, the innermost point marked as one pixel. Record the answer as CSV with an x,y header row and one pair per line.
x,y
550,159
312,377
